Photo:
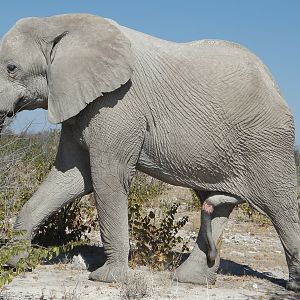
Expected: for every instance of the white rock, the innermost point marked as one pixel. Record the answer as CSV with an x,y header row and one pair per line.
x,y
78,262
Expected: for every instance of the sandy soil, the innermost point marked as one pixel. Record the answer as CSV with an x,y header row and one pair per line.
x,y
252,267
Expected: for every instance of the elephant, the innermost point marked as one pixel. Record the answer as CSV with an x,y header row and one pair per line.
x,y
205,115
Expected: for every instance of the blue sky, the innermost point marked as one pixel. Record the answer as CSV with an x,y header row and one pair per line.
x,y
270,28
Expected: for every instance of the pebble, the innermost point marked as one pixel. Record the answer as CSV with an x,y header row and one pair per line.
x,y
240,238
79,263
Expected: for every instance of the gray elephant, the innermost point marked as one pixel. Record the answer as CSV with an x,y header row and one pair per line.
x,y
205,115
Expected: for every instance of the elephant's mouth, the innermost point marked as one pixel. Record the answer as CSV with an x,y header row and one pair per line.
x,y
26,103
22,104
7,115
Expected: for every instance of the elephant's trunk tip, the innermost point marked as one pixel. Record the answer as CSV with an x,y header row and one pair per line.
x,y
2,120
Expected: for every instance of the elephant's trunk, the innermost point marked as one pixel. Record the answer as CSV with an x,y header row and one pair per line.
x,y
2,119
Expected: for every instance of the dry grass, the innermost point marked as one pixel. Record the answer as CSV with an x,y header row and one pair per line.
x,y
147,283
137,285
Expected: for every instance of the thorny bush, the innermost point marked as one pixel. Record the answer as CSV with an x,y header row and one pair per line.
x,y
153,240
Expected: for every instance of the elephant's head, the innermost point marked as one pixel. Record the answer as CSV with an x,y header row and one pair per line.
x,y
61,63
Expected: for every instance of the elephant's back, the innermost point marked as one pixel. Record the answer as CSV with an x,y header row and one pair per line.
x,y
209,86
219,80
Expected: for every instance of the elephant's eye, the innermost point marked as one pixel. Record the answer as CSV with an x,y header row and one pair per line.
x,y
11,68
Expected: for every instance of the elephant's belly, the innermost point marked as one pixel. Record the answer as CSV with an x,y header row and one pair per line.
x,y
152,168
193,172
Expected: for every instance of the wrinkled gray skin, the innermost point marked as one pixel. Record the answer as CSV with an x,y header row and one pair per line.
x,y
205,115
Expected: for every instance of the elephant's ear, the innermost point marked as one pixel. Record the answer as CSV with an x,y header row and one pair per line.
x,y
89,56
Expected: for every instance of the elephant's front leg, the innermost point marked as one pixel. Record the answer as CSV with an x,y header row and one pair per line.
x,y
58,189
111,191
68,179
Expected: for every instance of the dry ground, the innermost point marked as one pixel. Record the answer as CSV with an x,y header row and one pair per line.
x,y
252,267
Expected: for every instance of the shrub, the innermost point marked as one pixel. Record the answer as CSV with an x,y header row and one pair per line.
x,y
195,204
70,224
152,240
136,285
24,162
145,188
36,255
253,215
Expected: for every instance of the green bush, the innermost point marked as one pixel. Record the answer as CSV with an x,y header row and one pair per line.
x,y
72,223
153,233
145,188
153,240
195,204
252,214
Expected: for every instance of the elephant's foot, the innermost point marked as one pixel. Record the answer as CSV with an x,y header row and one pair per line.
x,y
13,261
294,281
192,271
25,243
293,285
110,272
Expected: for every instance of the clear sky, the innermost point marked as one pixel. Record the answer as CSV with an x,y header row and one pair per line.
x,y
270,28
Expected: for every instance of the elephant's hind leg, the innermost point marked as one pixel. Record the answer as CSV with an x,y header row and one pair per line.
x,y
284,215
275,193
198,268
